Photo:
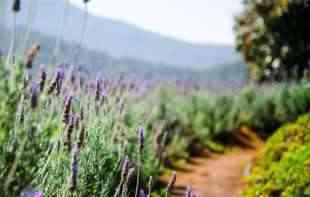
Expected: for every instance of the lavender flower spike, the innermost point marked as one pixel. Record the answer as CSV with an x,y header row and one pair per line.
x,y
57,81
60,73
73,170
34,96
141,139
67,109
189,191
32,192
42,78
81,138
142,193
69,132
60,76
98,89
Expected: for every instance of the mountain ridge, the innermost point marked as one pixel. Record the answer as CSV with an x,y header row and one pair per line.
x,y
92,63
120,39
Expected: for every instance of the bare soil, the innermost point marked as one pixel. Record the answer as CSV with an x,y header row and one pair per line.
x,y
215,176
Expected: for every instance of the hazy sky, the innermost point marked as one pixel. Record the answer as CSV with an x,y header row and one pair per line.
x,y
202,21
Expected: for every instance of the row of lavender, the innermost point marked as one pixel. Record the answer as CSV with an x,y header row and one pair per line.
x,y
67,135
64,136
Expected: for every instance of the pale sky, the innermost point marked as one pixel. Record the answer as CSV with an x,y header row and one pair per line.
x,y
199,21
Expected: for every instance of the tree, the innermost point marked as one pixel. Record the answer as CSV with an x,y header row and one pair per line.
x,y
274,38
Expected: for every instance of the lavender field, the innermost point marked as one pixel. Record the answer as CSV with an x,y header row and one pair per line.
x,y
76,121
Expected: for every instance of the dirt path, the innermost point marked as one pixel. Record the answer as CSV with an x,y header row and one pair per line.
x,y
216,176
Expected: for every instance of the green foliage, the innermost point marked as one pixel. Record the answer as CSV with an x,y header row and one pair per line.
x,y
197,115
194,117
272,37
38,148
267,109
11,87
283,166
34,153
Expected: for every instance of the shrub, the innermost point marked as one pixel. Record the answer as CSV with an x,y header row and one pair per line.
x,y
283,166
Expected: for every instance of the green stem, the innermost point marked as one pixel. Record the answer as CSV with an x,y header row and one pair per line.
x,y
138,173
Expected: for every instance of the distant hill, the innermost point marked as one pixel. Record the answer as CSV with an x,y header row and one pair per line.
x,y
115,47
226,76
119,39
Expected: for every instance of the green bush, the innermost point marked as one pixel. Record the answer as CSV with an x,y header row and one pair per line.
x,y
205,116
283,168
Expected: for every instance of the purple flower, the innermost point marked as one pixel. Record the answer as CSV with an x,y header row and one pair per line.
x,y
39,194
34,95
57,81
73,169
142,193
189,191
60,73
42,78
31,192
67,109
141,138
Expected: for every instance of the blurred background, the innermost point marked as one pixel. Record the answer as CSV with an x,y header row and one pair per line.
x,y
168,39
110,98
161,40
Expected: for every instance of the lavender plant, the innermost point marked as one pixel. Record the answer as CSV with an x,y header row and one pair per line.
x,y
65,135
60,153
